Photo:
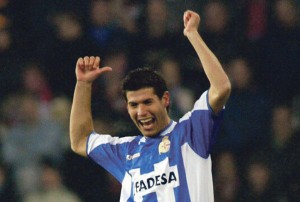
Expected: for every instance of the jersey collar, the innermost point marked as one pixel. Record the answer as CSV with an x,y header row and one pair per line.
x,y
168,129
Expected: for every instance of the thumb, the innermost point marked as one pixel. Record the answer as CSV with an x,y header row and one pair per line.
x,y
103,70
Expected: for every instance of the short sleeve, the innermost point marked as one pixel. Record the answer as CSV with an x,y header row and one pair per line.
x,y
109,152
200,126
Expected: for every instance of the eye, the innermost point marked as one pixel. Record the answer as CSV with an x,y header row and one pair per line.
x,y
148,102
132,104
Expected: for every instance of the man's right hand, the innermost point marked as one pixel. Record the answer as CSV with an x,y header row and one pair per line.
x,y
87,69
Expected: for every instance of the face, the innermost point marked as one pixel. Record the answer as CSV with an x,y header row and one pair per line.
x,y
148,111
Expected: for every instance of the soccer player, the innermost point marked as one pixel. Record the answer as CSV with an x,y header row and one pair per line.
x,y
170,161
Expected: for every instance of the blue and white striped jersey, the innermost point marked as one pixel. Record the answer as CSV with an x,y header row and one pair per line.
x,y
173,166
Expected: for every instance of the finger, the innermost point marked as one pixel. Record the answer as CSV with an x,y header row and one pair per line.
x,y
80,63
104,69
97,62
86,62
184,18
187,16
91,62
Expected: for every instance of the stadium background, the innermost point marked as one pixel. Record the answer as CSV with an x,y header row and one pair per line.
x,y
256,157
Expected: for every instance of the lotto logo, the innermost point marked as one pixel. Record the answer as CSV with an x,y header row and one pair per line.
x,y
162,181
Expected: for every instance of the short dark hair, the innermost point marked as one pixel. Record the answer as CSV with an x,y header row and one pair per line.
x,y
144,78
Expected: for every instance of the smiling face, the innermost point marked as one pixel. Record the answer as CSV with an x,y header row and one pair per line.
x,y
148,111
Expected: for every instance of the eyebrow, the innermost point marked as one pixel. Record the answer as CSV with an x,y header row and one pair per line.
x,y
143,101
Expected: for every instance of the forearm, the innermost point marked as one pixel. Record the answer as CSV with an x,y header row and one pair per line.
x,y
81,124
219,82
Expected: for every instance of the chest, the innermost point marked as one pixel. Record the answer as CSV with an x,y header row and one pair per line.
x,y
154,166
148,154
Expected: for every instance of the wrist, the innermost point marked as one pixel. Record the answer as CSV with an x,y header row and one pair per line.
x,y
191,34
84,83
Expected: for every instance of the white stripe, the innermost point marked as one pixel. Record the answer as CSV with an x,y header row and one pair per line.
x,y
98,139
198,175
201,104
126,188
169,129
164,191
167,192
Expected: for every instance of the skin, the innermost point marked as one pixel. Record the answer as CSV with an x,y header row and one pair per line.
x,y
143,105
220,86
147,111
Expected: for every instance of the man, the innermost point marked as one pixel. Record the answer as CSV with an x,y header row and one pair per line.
x,y
170,161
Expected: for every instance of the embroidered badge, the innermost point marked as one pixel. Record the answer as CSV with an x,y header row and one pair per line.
x,y
164,146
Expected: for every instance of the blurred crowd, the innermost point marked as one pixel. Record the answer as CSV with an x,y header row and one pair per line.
x,y
257,155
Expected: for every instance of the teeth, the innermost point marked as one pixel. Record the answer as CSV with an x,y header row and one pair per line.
x,y
145,120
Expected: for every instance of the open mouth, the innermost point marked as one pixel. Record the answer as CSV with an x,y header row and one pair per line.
x,y
147,123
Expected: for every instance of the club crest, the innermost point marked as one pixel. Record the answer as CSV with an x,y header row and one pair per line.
x,y
164,146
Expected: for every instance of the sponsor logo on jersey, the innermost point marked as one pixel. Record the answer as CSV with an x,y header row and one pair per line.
x,y
162,180
131,157
157,180
164,146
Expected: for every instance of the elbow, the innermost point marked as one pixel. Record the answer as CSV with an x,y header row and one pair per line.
x,y
218,96
226,90
74,146
223,91
79,149
78,136
78,144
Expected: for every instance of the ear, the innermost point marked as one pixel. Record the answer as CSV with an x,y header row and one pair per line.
x,y
166,98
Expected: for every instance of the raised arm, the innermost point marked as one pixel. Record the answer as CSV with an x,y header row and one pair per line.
x,y
81,122
220,86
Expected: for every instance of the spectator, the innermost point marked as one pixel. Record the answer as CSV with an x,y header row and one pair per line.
x,y
258,186
279,53
219,31
181,96
24,143
154,39
10,58
283,153
60,109
110,94
51,187
257,18
52,33
34,81
70,41
92,183
226,178
103,28
246,123
8,192
127,20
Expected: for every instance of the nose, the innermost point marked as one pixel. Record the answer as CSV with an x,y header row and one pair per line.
x,y
141,111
